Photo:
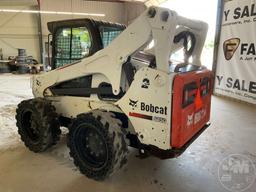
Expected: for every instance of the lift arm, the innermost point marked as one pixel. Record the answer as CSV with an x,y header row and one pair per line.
x,y
157,24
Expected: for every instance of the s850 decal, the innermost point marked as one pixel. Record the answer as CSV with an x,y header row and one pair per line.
x,y
148,117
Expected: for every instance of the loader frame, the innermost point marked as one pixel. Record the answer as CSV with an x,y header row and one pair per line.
x,y
109,65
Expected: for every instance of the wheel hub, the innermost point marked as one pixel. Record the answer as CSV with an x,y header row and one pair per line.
x,y
94,149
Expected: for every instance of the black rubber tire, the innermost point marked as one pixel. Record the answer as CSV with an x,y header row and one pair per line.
x,y
114,139
42,116
23,69
5,69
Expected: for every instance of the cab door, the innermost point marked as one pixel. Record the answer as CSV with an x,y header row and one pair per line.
x,y
70,45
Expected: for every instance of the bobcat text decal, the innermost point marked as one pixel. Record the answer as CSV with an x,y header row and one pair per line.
x,y
148,108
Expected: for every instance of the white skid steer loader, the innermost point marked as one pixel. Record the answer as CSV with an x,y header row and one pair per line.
x,y
115,87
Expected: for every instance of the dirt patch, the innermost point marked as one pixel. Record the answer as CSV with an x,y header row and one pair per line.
x,y
8,132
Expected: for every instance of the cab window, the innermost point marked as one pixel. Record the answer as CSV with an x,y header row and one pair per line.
x,y
71,44
108,34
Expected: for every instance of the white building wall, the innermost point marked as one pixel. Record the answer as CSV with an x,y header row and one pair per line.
x,y
114,11
132,11
19,30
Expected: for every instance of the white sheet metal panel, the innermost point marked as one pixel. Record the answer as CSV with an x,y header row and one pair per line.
x,y
18,2
114,12
18,30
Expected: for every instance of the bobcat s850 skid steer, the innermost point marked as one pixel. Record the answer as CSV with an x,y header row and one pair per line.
x,y
115,87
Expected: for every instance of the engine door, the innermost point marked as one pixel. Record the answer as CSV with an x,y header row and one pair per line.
x,y
191,105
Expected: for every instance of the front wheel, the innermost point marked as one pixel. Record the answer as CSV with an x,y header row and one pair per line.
x,y
97,144
37,124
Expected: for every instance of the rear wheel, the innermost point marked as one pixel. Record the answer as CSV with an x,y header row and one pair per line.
x,y
37,124
97,144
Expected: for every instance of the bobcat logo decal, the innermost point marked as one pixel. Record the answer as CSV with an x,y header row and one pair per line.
x,y
133,103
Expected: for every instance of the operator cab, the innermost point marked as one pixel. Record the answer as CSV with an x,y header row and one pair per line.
x,y
73,40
